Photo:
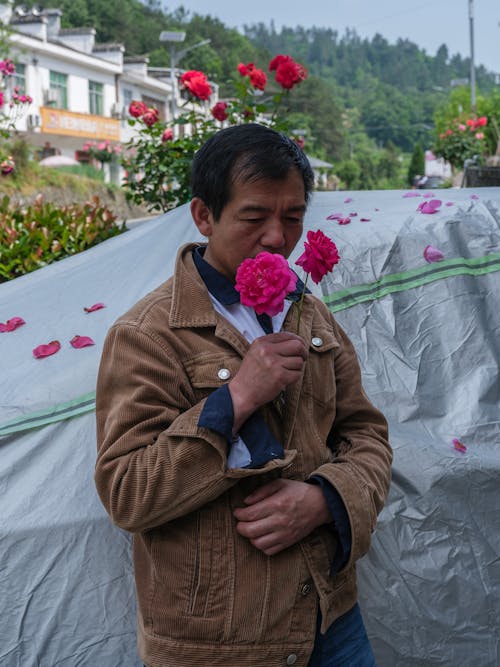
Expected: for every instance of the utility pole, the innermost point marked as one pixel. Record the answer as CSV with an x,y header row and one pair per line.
x,y
472,66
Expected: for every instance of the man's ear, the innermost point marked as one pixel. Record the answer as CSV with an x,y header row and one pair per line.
x,y
202,216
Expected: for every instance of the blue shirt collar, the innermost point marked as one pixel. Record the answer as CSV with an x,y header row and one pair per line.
x,y
222,288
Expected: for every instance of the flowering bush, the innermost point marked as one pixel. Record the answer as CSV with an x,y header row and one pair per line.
x,y
158,160
103,151
43,233
462,140
9,114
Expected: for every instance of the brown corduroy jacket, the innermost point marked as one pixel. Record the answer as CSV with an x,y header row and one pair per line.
x,y
206,596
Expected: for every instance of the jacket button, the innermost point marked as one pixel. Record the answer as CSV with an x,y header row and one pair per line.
x,y
317,341
306,589
292,659
224,374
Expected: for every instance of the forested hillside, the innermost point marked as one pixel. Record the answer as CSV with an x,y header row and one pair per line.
x,y
362,97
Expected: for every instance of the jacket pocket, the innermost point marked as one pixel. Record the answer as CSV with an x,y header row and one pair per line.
x,y
209,371
193,584
210,586
319,379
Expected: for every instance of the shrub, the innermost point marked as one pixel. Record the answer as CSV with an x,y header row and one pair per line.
x,y
42,233
158,161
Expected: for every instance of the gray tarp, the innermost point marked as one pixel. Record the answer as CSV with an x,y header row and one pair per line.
x,y
427,335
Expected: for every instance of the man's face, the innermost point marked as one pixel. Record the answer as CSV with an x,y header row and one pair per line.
x,y
263,215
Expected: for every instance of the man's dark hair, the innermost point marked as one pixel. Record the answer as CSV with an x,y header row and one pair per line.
x,y
243,153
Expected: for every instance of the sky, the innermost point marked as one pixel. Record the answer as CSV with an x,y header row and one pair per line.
x,y
428,23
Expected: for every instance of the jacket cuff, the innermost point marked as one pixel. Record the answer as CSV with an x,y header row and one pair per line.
x,y
218,415
340,522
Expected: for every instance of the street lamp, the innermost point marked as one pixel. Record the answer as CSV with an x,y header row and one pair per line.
x,y
174,37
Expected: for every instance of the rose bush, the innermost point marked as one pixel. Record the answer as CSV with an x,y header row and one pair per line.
x,y
158,158
463,139
103,151
11,109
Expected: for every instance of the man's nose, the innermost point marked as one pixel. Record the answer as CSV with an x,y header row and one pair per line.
x,y
274,234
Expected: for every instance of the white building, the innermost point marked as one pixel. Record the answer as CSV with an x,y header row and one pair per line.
x,y
81,90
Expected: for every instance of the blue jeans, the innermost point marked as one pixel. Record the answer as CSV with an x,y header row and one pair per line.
x,y
344,644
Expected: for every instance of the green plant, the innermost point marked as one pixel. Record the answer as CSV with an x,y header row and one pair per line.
x,y
417,163
158,158
42,233
463,139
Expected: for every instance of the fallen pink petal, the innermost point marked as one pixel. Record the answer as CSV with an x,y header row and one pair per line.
x,y
459,446
12,324
411,194
428,195
429,207
364,219
96,306
344,221
474,197
450,203
334,216
81,341
432,254
348,200
353,215
47,350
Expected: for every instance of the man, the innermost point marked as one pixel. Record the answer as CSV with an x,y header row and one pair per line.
x,y
246,459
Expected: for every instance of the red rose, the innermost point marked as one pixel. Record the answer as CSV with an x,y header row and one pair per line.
x,y
288,72
167,135
258,79
219,111
150,116
242,69
277,60
197,84
319,257
137,108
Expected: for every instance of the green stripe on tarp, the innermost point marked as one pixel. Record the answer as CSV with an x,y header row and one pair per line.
x,y
399,282
396,282
74,408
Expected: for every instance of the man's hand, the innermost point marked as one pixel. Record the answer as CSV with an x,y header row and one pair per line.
x,y
281,513
270,365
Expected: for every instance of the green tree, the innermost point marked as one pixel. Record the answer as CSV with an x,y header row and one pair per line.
x,y
417,164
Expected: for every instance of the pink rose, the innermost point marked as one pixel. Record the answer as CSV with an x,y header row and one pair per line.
x,y
167,135
150,116
137,108
264,282
319,257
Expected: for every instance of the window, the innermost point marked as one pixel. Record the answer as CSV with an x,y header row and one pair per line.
x,y
96,98
58,92
20,78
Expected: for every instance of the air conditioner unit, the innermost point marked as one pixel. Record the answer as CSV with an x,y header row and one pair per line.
x,y
52,96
